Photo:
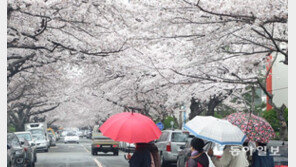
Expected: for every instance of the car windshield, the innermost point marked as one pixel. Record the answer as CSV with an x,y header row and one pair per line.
x,y
12,140
100,137
71,134
26,136
37,131
179,136
39,137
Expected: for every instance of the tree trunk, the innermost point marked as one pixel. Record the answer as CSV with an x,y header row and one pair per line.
x,y
213,103
282,121
196,108
19,126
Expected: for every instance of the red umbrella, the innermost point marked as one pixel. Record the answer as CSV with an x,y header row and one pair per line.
x,y
256,128
131,128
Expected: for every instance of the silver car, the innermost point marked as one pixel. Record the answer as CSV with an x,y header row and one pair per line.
x,y
15,150
28,142
41,142
169,145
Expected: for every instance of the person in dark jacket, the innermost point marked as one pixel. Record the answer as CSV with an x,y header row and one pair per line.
x,y
141,156
262,158
198,157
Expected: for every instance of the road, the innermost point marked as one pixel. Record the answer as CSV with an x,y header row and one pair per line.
x,y
78,155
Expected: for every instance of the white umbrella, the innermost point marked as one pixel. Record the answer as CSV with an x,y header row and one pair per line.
x,y
215,130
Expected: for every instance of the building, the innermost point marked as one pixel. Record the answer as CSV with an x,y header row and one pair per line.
x,y
277,81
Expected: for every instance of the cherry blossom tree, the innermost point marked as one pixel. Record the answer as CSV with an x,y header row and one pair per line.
x,y
105,57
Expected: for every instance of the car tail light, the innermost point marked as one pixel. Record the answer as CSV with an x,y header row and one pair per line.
x,y
98,145
114,145
168,147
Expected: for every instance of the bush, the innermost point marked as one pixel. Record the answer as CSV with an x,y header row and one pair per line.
x,y
10,129
271,117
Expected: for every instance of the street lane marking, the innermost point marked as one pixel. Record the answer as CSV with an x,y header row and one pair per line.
x,y
85,148
98,162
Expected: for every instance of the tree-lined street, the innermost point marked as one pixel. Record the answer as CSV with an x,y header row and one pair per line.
x,y
73,64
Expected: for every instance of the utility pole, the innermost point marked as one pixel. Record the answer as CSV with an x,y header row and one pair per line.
x,y
253,100
180,120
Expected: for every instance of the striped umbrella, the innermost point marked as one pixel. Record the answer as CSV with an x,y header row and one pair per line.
x,y
256,128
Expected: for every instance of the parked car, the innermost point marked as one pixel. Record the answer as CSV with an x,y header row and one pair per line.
x,y
41,142
64,134
88,135
52,139
71,137
169,145
29,151
15,151
31,142
80,133
101,143
9,157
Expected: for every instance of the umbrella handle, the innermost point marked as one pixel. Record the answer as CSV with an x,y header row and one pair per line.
x,y
127,158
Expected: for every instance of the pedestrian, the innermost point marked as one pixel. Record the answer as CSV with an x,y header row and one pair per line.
x,y
198,157
233,156
261,157
154,155
141,156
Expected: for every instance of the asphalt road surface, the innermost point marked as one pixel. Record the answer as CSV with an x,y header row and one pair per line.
x,y
78,155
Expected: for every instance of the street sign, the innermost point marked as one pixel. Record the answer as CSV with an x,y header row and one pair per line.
x,y
160,125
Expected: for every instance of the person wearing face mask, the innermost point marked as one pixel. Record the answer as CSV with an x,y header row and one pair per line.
x,y
198,157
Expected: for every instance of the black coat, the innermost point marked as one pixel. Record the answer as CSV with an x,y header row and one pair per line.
x,y
141,158
262,161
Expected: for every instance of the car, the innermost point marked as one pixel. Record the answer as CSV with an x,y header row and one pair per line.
x,y
41,143
169,145
31,142
52,139
80,133
9,157
127,147
71,137
38,129
88,135
102,143
15,151
29,151
64,134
